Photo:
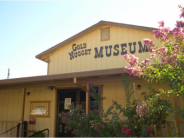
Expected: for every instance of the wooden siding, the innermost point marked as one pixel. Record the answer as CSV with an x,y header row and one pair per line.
x,y
10,109
10,105
60,59
41,94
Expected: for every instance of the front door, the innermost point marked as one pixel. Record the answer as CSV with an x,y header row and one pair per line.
x,y
77,97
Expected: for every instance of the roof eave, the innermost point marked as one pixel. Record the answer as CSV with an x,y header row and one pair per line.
x,y
63,76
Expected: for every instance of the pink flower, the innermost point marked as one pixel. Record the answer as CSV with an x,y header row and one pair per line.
x,y
99,88
128,132
68,113
161,24
182,10
74,131
137,73
96,128
166,29
147,41
178,34
179,23
175,51
146,60
153,55
182,15
126,69
102,126
149,130
161,34
125,56
90,84
123,129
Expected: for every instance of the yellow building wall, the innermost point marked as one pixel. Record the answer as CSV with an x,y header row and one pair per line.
x,y
10,108
41,94
60,59
10,104
11,100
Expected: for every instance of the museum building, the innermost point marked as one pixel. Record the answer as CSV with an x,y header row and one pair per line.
x,y
93,55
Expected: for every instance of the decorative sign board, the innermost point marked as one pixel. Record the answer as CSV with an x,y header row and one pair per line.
x,y
67,103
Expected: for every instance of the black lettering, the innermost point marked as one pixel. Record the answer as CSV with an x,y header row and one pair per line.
x,y
73,47
79,53
84,45
86,52
117,51
141,49
82,52
98,54
81,46
71,55
106,47
89,51
78,47
75,54
130,45
123,48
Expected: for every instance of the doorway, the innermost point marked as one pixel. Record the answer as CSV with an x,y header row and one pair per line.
x,y
78,97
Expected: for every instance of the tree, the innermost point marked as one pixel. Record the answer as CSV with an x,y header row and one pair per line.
x,y
168,60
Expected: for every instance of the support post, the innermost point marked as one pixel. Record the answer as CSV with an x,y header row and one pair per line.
x,y
74,80
18,127
55,111
23,104
22,110
87,100
24,129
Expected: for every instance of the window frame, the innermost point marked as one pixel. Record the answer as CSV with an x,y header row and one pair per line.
x,y
108,34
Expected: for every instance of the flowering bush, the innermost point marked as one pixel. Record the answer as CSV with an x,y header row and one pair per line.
x,y
168,64
168,59
99,123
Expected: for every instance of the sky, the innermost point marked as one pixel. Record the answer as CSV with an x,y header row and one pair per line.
x,y
28,28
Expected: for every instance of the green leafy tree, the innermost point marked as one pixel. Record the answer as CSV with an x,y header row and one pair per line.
x,y
168,59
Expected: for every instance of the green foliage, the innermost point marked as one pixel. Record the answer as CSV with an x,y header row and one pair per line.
x,y
174,74
38,135
158,110
110,123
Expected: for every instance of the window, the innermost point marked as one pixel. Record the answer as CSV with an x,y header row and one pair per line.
x,y
105,34
40,109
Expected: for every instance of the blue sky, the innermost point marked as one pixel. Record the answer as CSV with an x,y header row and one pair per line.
x,y
29,27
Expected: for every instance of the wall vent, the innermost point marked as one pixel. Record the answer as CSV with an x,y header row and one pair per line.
x,y
105,34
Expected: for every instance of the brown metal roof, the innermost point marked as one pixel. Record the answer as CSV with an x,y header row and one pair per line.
x,y
63,76
90,28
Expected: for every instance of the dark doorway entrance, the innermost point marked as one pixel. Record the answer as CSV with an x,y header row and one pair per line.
x,y
78,97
